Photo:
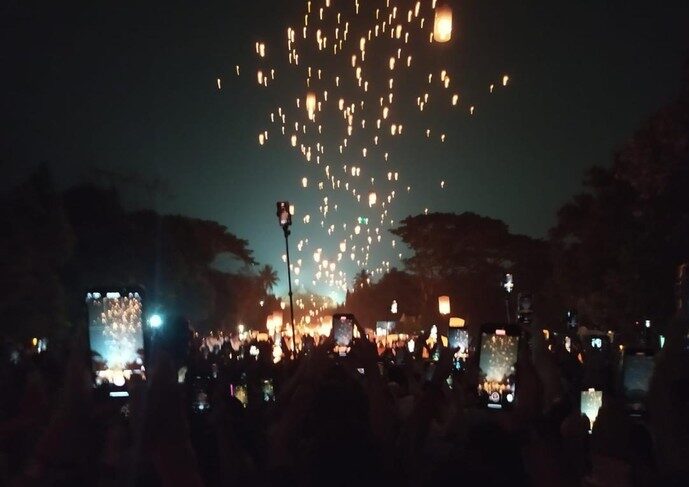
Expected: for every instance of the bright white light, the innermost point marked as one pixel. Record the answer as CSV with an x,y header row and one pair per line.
x,y
155,321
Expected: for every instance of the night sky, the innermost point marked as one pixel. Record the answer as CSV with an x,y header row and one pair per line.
x,y
125,93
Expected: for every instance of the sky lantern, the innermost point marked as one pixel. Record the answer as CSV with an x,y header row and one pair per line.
x,y
304,182
444,305
442,26
456,322
277,320
372,198
311,104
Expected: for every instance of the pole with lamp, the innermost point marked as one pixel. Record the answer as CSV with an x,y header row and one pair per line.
x,y
285,218
507,285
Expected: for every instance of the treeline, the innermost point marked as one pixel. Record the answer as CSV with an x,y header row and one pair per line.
x,y
55,245
612,254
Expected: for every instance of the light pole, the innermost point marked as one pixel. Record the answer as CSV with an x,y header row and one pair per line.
x,y
285,219
508,285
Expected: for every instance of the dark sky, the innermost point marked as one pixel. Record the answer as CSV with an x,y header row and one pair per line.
x,y
129,88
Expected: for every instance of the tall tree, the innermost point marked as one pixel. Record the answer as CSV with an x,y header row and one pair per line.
x,y
362,279
268,277
35,243
618,243
465,255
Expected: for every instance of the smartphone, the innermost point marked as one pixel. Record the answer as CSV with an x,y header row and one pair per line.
x,y
458,342
591,402
240,392
116,338
458,338
343,332
498,353
200,401
268,390
524,308
571,321
637,370
597,363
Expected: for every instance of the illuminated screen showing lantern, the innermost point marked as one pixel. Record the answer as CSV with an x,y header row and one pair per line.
x,y
115,335
442,27
444,305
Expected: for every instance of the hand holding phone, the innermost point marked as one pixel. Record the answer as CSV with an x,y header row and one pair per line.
x,y
116,337
637,370
268,390
498,353
591,402
343,332
458,342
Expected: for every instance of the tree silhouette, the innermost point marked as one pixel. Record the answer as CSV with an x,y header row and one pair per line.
x,y
361,279
268,277
464,256
618,243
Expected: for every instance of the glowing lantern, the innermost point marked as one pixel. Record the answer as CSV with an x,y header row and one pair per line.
x,y
442,27
456,322
311,104
304,182
444,305
277,320
372,198
269,325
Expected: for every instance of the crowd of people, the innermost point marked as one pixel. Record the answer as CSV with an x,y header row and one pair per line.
x,y
225,412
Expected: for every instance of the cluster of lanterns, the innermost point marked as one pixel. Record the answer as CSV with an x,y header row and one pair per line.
x,y
346,121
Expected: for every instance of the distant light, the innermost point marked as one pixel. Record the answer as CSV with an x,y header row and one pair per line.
x,y
648,323
442,26
155,321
